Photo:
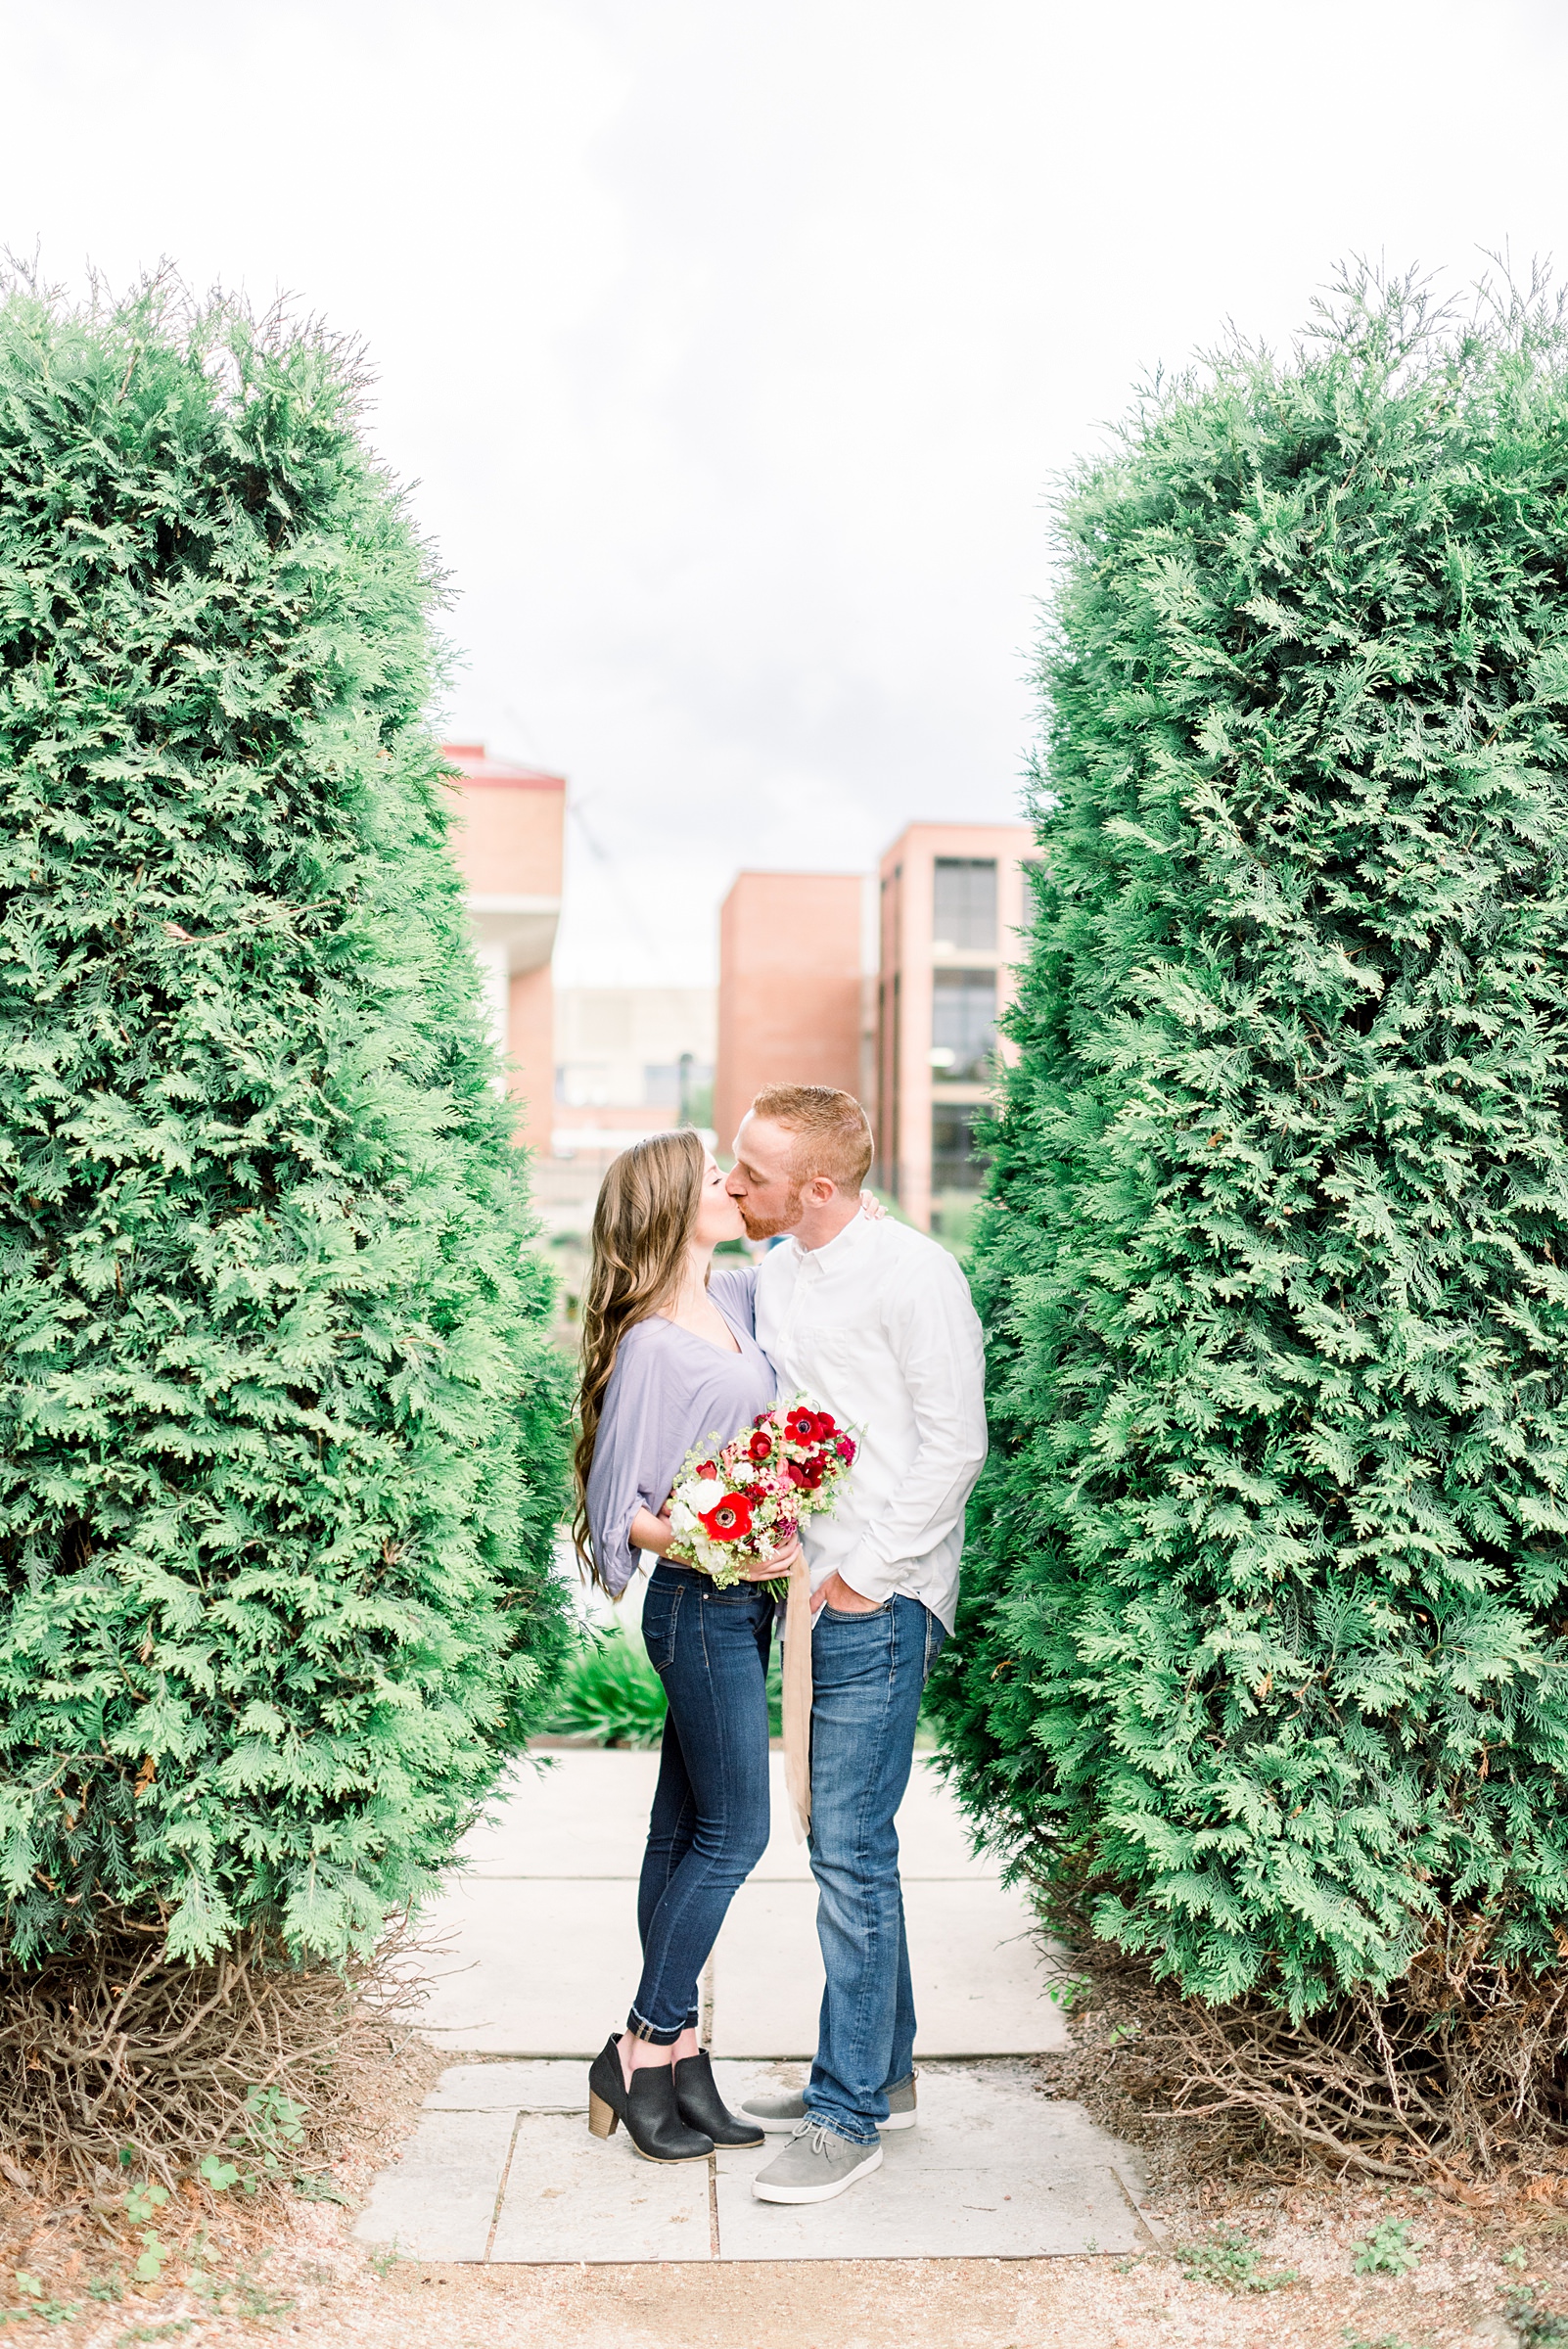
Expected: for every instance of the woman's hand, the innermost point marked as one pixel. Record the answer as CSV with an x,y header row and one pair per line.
x,y
871,1207
768,1569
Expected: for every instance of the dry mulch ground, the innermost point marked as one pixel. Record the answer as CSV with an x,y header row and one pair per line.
x,y
286,2268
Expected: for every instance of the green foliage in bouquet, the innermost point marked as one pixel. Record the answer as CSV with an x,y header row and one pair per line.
x,y
281,1433
1262,1662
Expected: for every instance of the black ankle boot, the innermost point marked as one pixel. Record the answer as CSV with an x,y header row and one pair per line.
x,y
653,2123
702,2106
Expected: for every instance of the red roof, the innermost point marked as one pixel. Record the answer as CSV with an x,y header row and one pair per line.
x,y
498,775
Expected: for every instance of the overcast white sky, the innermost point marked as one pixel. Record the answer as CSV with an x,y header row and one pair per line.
x,y
733,346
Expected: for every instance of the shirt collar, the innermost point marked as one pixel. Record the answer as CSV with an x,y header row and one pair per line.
x,y
833,1252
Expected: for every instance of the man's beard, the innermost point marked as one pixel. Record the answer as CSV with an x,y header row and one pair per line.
x,y
768,1227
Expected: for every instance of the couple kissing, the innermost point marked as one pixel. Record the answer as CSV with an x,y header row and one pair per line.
x,y
872,1322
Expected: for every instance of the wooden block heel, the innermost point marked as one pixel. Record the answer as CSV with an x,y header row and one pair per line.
x,y
602,2119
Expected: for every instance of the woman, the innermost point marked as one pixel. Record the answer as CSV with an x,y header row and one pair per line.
x,y
669,1361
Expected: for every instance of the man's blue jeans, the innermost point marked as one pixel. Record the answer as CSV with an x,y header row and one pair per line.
x,y
867,1674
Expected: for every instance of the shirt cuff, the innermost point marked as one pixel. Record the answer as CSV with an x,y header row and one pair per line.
x,y
869,1578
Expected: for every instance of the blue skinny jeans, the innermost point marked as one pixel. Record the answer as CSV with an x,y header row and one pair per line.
x,y
710,1822
867,1675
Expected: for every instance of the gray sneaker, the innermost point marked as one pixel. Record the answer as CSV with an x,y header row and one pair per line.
x,y
780,2115
815,2166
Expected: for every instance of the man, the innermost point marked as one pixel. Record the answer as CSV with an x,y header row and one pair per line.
x,y
872,1320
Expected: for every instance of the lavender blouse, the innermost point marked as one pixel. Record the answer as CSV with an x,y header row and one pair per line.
x,y
669,1390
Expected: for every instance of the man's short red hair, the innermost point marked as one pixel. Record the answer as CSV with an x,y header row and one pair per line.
x,y
833,1134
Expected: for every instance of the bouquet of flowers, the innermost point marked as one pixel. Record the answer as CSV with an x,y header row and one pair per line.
x,y
741,1500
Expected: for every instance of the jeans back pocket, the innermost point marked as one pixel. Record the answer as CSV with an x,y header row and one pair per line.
x,y
660,1610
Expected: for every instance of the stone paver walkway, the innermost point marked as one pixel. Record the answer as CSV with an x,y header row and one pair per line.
x,y
539,1960
541,1931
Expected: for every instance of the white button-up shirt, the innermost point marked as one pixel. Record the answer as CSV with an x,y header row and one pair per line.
x,y
878,1328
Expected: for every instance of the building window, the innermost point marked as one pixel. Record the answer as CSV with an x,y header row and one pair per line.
x,y
963,1025
955,1165
963,905
685,1085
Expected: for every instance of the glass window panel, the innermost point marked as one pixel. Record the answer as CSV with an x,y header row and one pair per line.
x,y
964,905
963,1023
955,1165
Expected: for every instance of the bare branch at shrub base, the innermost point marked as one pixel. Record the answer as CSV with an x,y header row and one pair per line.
x,y
117,2051
1462,2076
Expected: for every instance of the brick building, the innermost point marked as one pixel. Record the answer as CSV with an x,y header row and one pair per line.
x,y
790,998
954,903
507,837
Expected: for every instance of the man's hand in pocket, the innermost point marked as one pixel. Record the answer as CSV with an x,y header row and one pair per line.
x,y
836,1593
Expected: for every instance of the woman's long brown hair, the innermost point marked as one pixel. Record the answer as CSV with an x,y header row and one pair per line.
x,y
645,1218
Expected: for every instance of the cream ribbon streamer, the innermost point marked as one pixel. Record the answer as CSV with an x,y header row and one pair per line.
x,y
797,1697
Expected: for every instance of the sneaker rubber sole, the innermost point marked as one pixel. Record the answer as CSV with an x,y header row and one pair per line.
x,y
820,2193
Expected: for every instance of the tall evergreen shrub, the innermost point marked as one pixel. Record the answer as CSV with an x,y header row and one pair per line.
x,y
1262,1662
280,1433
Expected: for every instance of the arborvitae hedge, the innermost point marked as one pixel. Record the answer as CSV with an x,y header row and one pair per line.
x,y
280,1435
1263,1652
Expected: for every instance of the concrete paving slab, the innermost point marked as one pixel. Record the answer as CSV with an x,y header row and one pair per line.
x,y
993,2171
575,1814
586,1814
511,2088
994,2213
572,2197
980,1976
967,2107
439,2200
538,1967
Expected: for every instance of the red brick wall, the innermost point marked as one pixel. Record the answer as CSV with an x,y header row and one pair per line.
x,y
789,987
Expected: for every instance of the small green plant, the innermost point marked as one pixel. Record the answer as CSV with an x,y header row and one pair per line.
x,y
142,2206
38,2301
218,2174
254,2298
1384,2341
610,1691
1538,2327
106,2287
383,2261
1388,2250
274,2121
1230,2259
314,2185
1516,2258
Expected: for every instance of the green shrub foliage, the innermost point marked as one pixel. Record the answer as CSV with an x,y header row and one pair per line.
x,y
281,1433
1262,1663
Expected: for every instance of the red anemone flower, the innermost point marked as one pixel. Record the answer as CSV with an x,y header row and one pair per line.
x,y
730,1519
800,1426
